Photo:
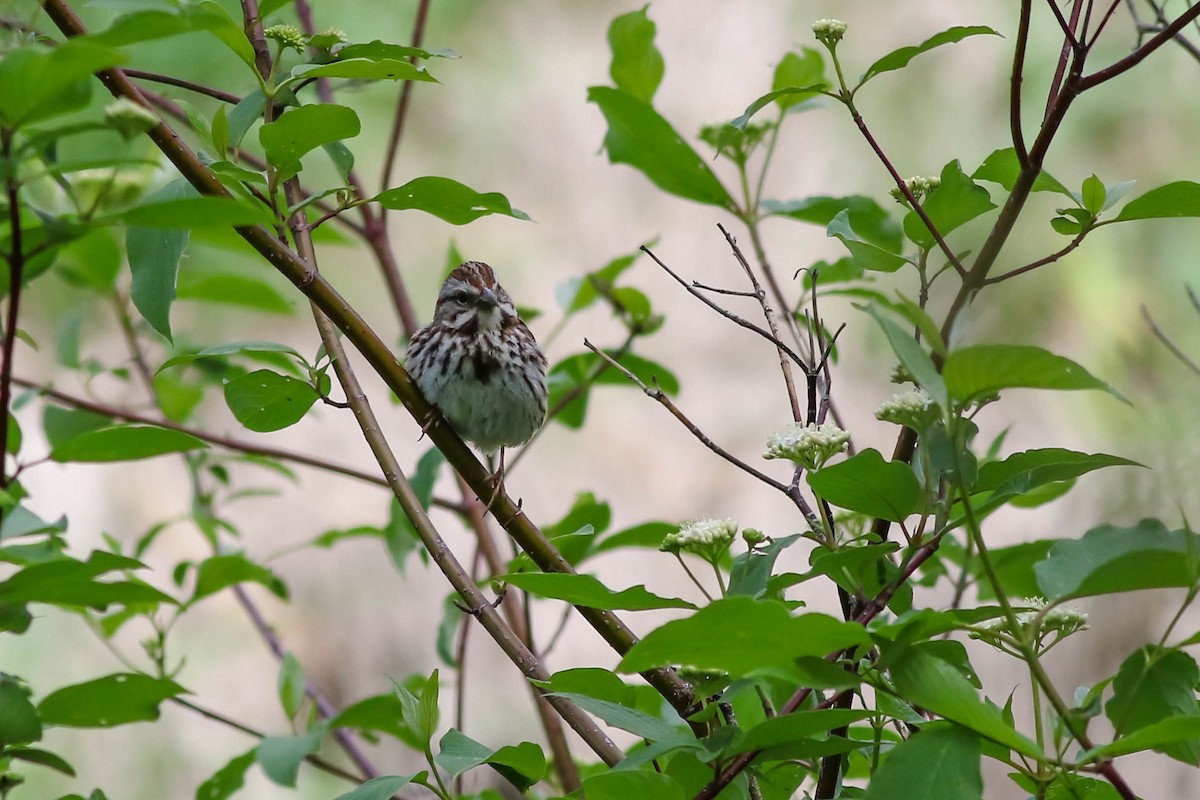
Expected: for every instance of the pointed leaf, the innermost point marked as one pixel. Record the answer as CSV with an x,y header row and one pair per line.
x,y
898,59
1109,559
1003,168
381,788
981,370
1178,199
867,255
447,200
637,66
639,137
942,761
109,701
869,485
739,635
584,590
957,201
125,443
154,255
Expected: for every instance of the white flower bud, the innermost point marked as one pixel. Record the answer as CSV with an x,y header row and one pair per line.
x,y
829,31
807,445
913,409
707,538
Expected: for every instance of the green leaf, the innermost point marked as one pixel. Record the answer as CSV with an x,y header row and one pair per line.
x,y
957,201
400,535
291,685
378,51
65,581
751,571
234,348
867,219
914,358
371,69
37,83
301,130
109,701
154,256
869,485
796,726
636,722
447,200
941,761
936,685
637,66
205,15
1178,199
521,765
19,722
63,424
226,781
898,59
584,590
185,213
981,370
639,137
740,635
1109,559
381,788
803,68
593,682
219,572
20,521
1093,195
280,756
410,713
125,443
427,709
42,758
266,401
867,255
1022,472
1174,732
1002,167
1155,684
782,94
1014,567
231,288
632,784
382,713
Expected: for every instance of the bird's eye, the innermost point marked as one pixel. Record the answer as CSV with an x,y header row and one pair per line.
x,y
461,296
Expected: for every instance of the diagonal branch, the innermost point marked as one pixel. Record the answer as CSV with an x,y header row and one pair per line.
x,y
510,516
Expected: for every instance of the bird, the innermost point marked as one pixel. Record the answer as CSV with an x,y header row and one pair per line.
x,y
480,365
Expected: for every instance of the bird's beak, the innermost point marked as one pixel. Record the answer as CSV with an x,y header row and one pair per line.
x,y
488,298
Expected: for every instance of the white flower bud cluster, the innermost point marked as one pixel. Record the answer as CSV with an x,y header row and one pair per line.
x,y
807,445
707,538
919,187
913,409
287,36
829,31
1065,619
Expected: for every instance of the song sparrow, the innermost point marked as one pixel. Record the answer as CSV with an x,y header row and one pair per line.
x,y
479,364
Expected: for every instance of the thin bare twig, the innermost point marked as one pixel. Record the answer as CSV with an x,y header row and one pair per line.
x,y
658,394
315,760
1161,335
191,86
16,275
745,323
1041,262
769,314
397,132
1018,70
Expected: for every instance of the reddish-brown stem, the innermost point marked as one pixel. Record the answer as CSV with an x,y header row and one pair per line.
x,y
16,274
1137,56
951,256
1018,70
191,86
1041,262
1070,45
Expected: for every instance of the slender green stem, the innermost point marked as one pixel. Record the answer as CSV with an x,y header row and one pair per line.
x,y
720,577
693,577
